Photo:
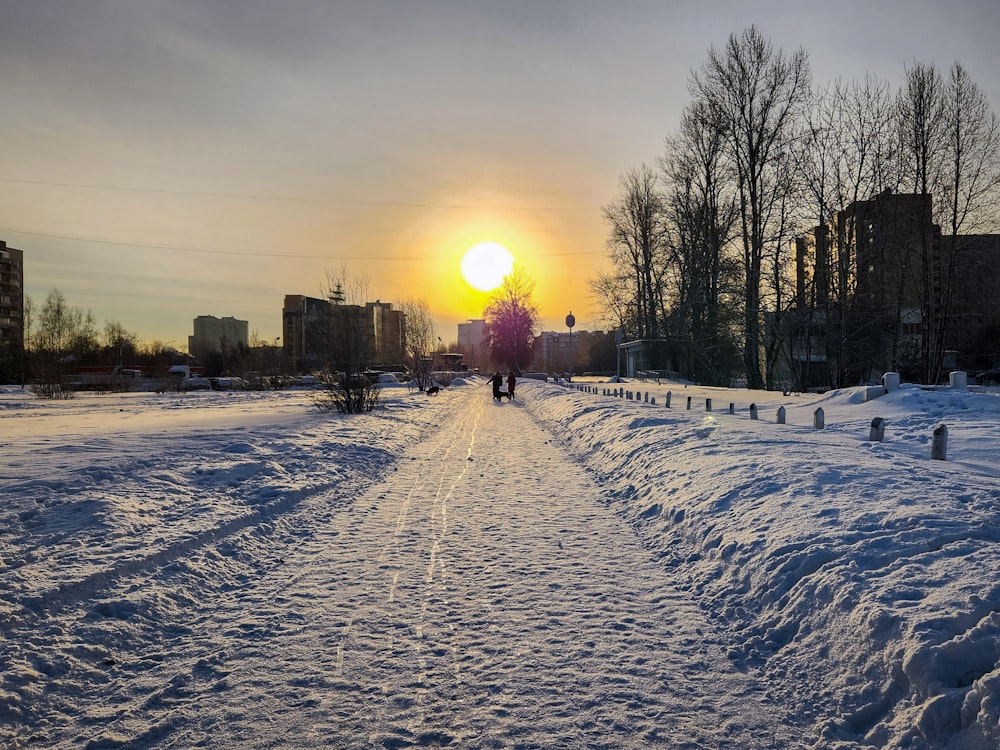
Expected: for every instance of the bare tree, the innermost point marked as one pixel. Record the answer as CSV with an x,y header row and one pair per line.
x,y
636,242
970,167
420,340
701,219
756,93
511,321
61,335
612,295
922,126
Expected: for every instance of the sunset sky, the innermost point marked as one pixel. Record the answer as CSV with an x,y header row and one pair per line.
x,y
164,159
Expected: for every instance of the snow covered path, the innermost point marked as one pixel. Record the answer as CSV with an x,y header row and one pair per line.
x,y
482,596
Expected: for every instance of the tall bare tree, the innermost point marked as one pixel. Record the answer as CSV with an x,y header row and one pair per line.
x,y
701,217
756,93
849,152
636,241
970,188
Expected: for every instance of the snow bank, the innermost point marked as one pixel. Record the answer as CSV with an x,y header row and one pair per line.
x,y
862,578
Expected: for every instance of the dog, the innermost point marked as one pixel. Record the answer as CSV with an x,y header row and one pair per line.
x,y
433,390
501,395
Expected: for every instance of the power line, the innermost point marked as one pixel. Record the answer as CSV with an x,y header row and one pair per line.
x,y
245,253
298,199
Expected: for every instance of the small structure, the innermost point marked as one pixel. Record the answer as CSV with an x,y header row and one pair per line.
x,y
939,444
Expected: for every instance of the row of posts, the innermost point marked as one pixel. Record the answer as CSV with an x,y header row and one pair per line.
x,y
939,443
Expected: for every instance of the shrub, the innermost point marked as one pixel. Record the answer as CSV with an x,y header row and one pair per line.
x,y
348,394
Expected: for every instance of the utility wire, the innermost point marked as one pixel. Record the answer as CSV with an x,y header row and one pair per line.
x,y
294,199
247,253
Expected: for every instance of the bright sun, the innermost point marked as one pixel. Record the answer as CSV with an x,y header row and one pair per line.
x,y
485,265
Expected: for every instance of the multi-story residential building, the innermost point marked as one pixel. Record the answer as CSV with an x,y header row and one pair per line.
x,y
882,289
304,331
213,334
11,314
470,342
320,333
557,352
388,329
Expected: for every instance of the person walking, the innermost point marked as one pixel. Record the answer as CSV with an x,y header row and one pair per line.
x,y
497,381
511,381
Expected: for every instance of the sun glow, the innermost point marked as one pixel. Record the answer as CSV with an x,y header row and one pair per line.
x,y
485,265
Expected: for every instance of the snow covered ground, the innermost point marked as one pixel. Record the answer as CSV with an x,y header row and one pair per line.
x,y
571,570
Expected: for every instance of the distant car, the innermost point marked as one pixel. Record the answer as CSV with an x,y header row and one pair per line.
x,y
388,377
310,381
227,384
196,384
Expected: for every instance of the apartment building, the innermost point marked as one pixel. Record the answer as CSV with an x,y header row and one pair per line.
x,y
319,333
11,314
212,334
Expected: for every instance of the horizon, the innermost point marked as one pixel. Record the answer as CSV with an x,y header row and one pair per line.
x,y
167,162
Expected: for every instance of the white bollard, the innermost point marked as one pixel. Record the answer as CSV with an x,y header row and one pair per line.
x,y
668,399
890,381
818,419
959,380
877,431
753,411
781,415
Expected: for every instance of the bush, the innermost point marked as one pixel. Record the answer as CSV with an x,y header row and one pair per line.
x,y
52,390
352,394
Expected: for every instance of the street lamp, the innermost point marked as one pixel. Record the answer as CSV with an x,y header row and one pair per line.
x,y
570,322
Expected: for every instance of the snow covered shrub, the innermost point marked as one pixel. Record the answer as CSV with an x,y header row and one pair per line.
x,y
52,390
348,394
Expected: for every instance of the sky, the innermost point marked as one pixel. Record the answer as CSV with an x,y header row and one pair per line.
x,y
570,569
166,159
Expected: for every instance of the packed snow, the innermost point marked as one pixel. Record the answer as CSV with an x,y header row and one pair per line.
x,y
583,567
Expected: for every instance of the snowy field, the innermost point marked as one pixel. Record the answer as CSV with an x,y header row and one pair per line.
x,y
572,570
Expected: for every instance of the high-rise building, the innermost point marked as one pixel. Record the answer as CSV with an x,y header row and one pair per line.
x,y
11,314
304,326
213,334
388,328
322,333
470,342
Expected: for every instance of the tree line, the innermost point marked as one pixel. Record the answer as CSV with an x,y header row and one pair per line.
x,y
703,241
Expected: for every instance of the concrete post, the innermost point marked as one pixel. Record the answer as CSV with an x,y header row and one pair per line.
x,y
668,399
890,381
689,403
877,431
781,415
732,408
753,411
708,404
818,419
939,445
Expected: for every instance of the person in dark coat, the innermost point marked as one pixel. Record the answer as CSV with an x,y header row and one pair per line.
x,y
497,381
511,381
